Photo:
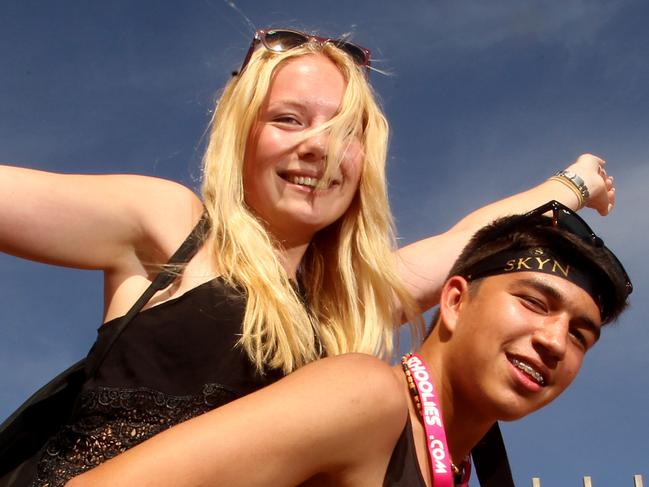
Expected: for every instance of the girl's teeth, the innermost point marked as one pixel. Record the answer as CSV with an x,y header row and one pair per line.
x,y
303,181
529,371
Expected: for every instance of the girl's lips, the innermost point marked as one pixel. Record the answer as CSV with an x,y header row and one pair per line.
x,y
306,181
303,181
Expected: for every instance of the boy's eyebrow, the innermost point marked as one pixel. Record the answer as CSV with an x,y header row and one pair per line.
x,y
559,297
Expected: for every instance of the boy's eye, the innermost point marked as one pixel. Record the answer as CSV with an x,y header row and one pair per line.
x,y
534,304
586,336
579,337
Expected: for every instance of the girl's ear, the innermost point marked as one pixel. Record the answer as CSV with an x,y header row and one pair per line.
x,y
455,293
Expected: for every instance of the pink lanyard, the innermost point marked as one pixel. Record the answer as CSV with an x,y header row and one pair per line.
x,y
438,454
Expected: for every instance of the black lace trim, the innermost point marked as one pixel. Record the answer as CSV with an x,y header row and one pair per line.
x,y
112,420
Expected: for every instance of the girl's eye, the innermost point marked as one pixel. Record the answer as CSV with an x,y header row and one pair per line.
x,y
287,119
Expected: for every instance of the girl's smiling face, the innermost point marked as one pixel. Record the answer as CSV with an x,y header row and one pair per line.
x,y
282,170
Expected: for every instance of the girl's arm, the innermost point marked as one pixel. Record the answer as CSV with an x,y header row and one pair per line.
x,y
424,264
86,221
121,224
339,418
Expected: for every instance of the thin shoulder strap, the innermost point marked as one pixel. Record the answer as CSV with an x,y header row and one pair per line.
x,y
183,255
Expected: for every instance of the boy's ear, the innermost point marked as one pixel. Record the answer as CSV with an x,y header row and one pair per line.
x,y
455,293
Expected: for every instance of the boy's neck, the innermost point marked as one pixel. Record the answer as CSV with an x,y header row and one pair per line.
x,y
463,423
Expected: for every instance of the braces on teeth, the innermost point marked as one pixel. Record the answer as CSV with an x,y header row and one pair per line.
x,y
529,371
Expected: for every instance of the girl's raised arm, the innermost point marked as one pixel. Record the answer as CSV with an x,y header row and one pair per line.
x,y
424,264
95,222
124,225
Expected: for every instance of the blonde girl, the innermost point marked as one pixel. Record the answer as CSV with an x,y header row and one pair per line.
x,y
300,261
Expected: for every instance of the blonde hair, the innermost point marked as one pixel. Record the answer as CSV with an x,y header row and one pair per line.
x,y
348,272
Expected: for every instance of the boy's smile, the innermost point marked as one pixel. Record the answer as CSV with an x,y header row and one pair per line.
x,y
523,336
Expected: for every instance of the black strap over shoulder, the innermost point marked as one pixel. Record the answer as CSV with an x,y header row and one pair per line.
x,y
490,459
184,254
24,433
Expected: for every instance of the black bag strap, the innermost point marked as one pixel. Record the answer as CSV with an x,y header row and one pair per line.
x,y
185,252
490,460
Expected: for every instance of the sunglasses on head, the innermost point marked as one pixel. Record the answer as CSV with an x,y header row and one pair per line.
x,y
566,219
282,40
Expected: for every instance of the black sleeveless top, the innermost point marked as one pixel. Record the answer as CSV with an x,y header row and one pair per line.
x,y
174,361
403,469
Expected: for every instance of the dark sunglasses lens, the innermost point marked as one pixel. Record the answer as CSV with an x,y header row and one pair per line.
x,y
357,54
575,225
629,285
283,40
569,221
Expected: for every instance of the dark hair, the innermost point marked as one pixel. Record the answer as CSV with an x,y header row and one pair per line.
x,y
520,232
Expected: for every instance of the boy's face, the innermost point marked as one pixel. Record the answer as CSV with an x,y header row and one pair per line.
x,y
523,337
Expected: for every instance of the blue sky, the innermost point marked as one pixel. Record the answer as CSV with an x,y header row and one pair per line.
x,y
485,99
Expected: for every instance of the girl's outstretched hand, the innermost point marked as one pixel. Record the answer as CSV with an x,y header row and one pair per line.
x,y
600,185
